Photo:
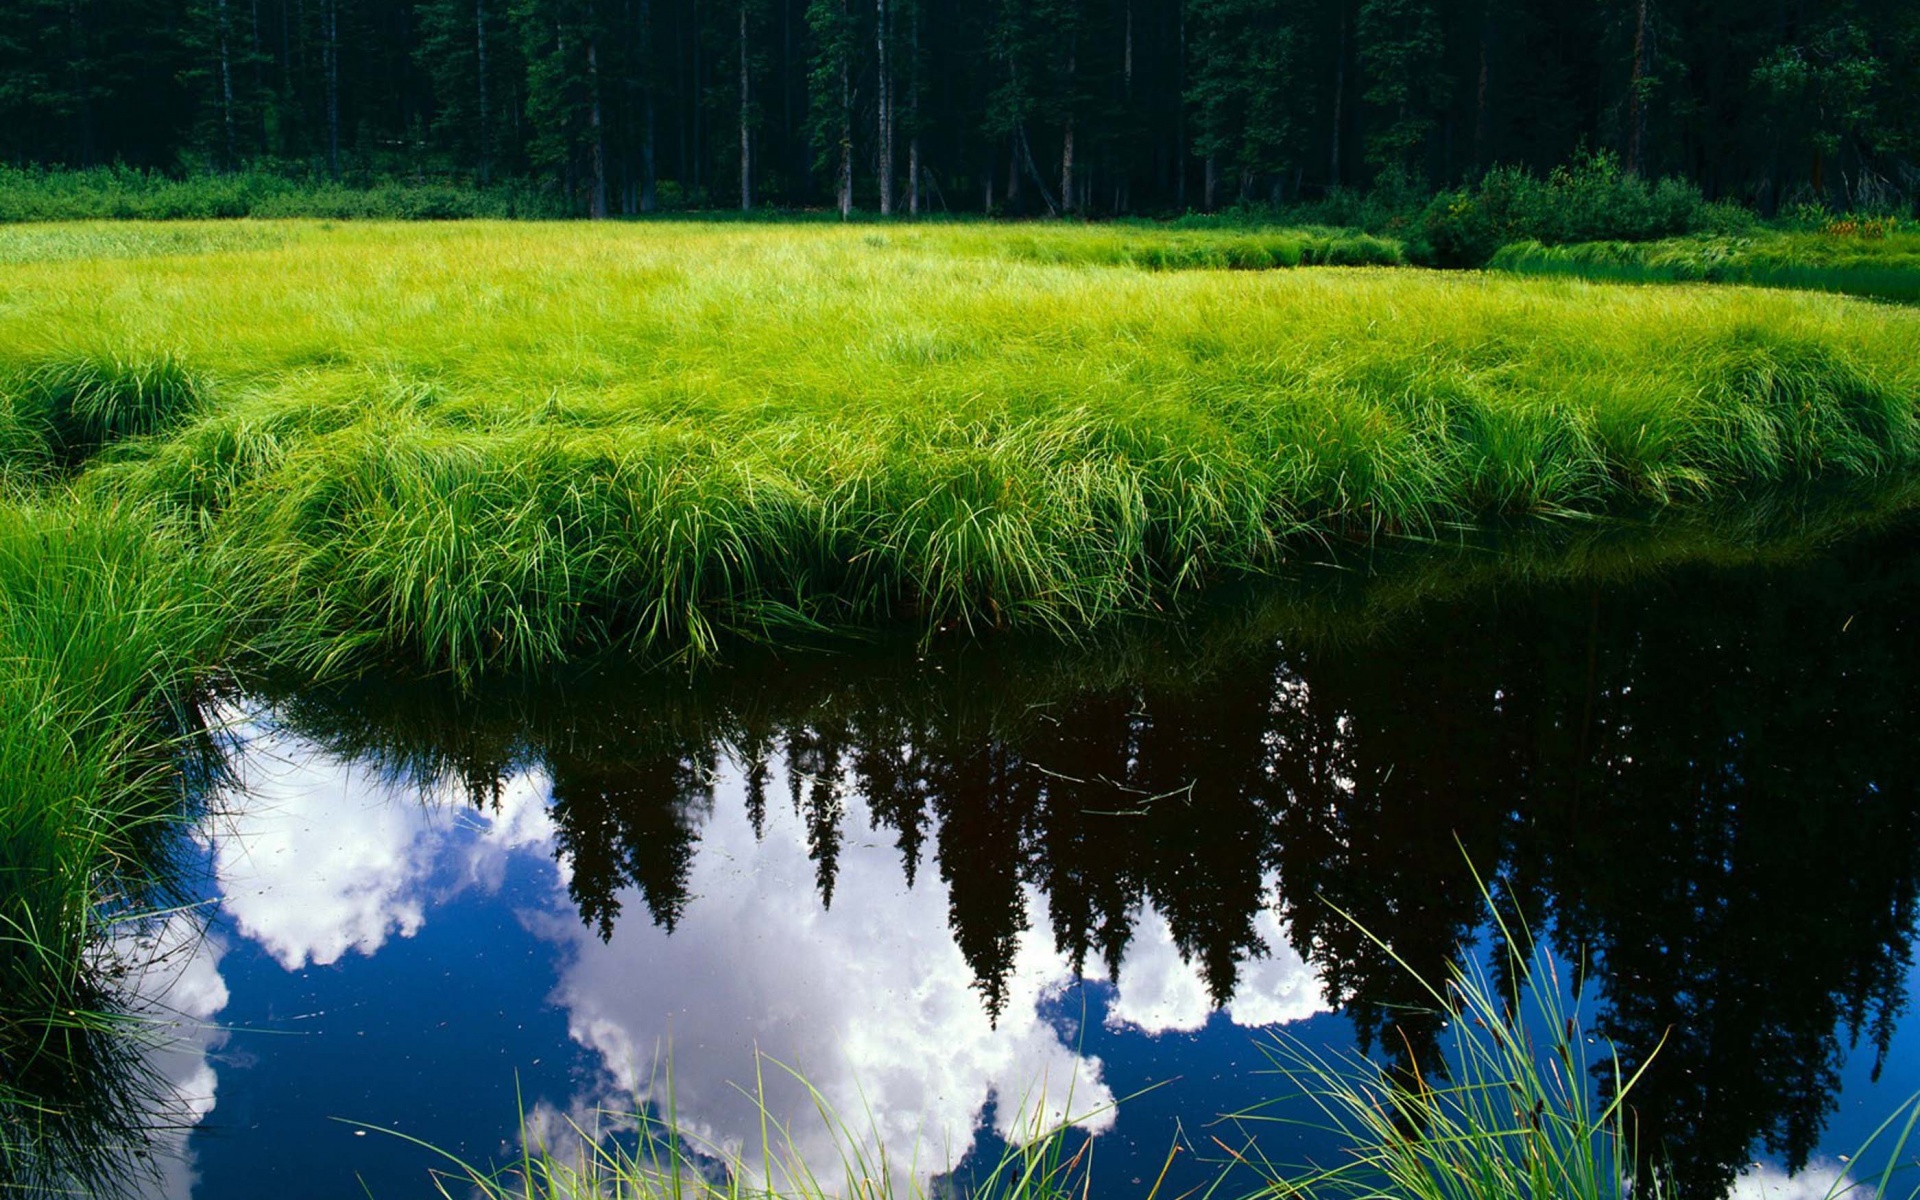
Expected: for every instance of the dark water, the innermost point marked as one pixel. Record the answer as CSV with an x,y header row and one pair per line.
x,y
951,885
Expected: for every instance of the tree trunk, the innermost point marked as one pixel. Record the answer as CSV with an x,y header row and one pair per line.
x,y
1480,91
746,130
649,191
913,117
1180,117
1067,199
486,117
1339,101
846,120
259,80
226,87
333,88
598,202
884,107
1636,103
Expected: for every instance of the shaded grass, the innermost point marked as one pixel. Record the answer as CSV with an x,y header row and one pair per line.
x,y
1161,248
1517,1108
101,638
126,193
1509,1114
1885,267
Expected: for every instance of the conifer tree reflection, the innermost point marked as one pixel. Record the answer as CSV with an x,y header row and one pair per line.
x,y
1700,785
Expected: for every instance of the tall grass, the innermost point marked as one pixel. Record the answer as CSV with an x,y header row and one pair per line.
x,y
651,1155
102,635
1511,1113
490,444
1884,265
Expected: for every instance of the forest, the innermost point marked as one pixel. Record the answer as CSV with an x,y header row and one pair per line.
x,y
1015,107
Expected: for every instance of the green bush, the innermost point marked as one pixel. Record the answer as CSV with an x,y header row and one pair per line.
x,y
1592,200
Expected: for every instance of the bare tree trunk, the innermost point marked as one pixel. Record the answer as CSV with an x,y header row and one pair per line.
x,y
1039,182
486,115
1480,92
226,86
649,191
913,116
846,122
1067,199
884,108
1211,194
1636,103
1180,118
259,80
598,209
746,131
333,88
1339,101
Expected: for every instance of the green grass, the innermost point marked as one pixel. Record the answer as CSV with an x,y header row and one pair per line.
x,y
1161,248
1510,1114
1520,1108
511,444
101,637
650,1155
465,447
123,193
1884,265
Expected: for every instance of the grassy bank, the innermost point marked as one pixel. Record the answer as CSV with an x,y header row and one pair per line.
x,y
1883,262
460,445
102,636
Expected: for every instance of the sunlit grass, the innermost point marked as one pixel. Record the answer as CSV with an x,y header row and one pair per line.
x,y
492,443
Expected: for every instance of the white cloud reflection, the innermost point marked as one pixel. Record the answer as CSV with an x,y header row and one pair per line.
x,y
1764,1181
1161,992
320,860
319,857
871,1001
173,981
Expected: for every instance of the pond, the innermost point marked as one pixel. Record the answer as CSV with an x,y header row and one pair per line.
x,y
950,884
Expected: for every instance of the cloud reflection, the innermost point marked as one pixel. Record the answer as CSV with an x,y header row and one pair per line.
x,y
318,857
320,860
870,1000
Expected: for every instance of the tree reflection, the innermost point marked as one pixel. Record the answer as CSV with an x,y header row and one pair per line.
x,y
1702,783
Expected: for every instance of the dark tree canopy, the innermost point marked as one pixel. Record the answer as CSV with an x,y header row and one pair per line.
x,y
1096,106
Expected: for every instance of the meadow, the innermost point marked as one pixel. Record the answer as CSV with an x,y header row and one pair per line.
x,y
472,445
324,448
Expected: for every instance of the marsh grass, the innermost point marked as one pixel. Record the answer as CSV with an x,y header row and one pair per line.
x,y
507,445
102,636
1518,1109
1510,1113
1156,248
1884,266
651,1155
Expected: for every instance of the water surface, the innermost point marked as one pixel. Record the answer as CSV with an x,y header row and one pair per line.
x,y
953,885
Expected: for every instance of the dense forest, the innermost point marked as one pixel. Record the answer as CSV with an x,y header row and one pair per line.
x,y
1017,106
